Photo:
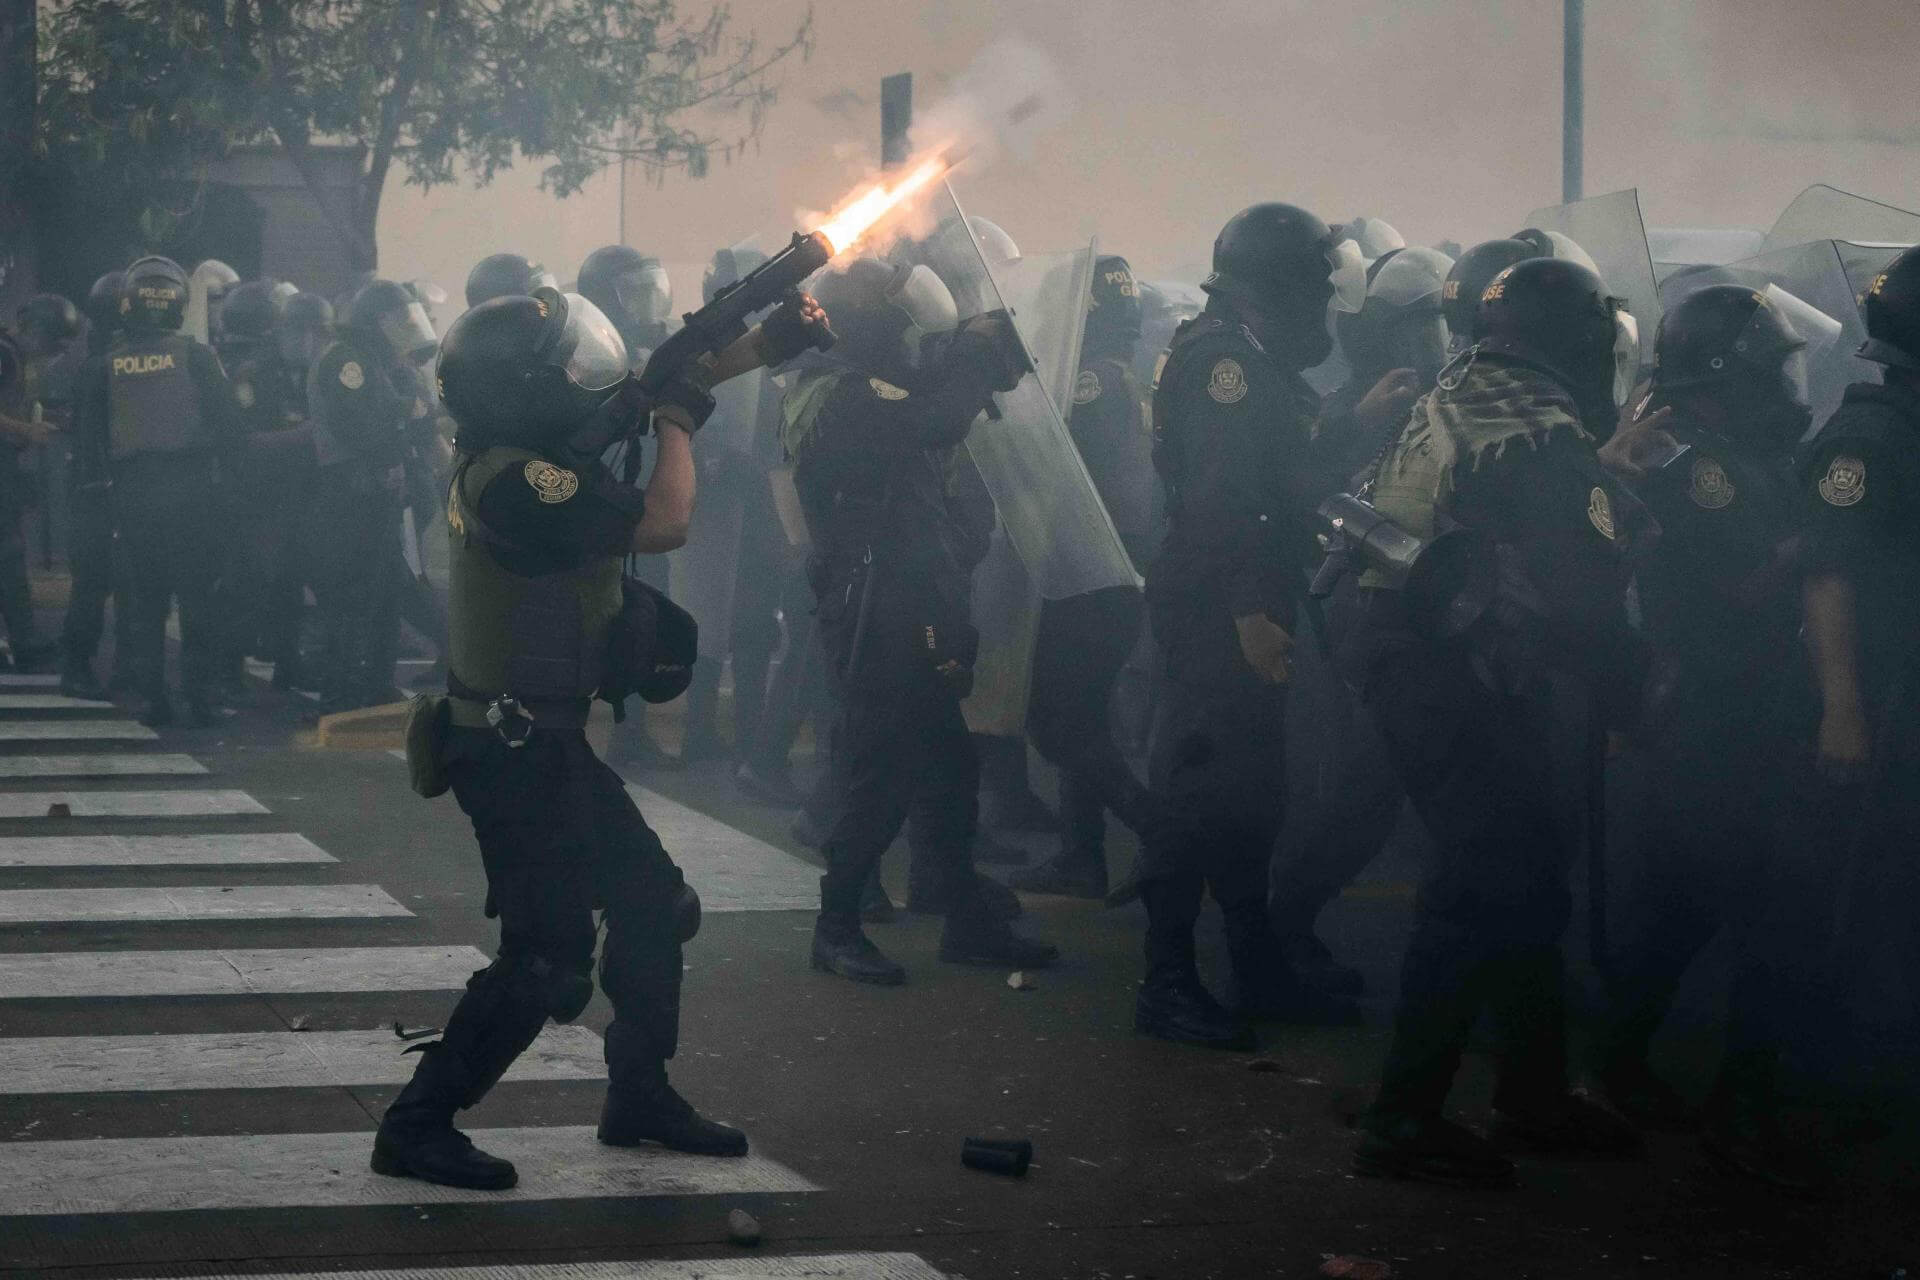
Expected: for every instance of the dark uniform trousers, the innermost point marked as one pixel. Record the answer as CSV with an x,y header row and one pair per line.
x,y
99,571
352,543
16,592
1083,643
1493,903
166,509
559,837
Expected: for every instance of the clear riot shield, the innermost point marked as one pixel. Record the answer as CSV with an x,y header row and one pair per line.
x,y
1827,213
1815,274
1614,235
1046,501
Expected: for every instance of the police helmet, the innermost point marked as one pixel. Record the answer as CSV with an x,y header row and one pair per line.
x,y
1892,304
387,313
1401,324
630,288
1471,274
103,302
1114,312
153,297
1555,244
729,266
500,275
48,319
304,329
527,369
1279,252
1375,237
1756,342
1555,314
248,313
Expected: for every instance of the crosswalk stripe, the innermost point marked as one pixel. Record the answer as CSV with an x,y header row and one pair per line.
x,y
159,851
732,870
74,731
817,1266
129,804
49,975
29,680
256,1060
324,1170
49,702
200,902
104,765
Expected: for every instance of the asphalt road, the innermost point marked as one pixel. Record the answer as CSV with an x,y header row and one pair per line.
x,y
239,1147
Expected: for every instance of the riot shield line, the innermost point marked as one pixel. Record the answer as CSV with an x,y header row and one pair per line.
x,y
1611,231
1822,212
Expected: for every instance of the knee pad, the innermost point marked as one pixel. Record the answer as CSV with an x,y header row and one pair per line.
x,y
686,913
558,993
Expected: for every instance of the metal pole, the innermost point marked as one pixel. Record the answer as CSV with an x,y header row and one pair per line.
x,y
623,199
1573,103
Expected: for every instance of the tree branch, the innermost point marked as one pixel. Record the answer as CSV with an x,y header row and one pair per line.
x,y
292,135
422,15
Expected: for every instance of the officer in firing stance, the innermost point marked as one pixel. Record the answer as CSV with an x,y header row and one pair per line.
x,y
538,386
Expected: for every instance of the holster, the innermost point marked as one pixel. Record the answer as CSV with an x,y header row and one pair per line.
x,y
426,742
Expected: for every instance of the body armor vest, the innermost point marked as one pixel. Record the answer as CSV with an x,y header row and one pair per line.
x,y
538,638
153,404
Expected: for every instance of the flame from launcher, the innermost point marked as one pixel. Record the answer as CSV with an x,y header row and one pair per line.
x,y
859,216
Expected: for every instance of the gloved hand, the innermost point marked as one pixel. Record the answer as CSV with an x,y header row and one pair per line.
x,y
796,326
990,345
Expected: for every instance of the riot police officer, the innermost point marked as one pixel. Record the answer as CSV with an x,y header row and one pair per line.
x,y
540,528
158,406
1504,448
48,325
95,564
22,428
1232,421
501,275
872,431
1084,641
1720,832
1861,478
357,393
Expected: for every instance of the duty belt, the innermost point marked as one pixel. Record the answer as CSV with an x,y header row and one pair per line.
x,y
514,719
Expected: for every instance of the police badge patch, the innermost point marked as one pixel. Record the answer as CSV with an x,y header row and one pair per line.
x,y
886,390
1600,512
352,377
1709,485
1845,482
1086,388
1228,382
551,483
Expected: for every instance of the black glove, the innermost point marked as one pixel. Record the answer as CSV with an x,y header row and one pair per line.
x,y
786,334
685,392
989,344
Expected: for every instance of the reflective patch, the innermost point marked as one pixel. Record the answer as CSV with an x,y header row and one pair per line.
x,y
1709,486
352,377
553,484
243,394
1086,388
1600,512
1845,482
886,390
1228,382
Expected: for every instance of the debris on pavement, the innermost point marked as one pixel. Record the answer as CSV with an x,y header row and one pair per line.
x,y
1351,1266
742,1228
992,1155
1019,981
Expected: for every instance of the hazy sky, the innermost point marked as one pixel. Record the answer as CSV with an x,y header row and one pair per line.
x,y
1442,116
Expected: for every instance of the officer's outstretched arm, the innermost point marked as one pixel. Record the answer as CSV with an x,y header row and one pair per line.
x,y
663,526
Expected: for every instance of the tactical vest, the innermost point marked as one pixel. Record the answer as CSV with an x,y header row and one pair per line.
x,y
153,405
538,638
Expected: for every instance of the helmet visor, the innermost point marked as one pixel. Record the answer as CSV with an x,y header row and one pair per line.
x,y
1410,276
1348,275
409,334
1626,351
645,293
591,350
1816,331
1419,342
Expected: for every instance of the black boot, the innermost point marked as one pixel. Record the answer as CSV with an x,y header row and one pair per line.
x,y
158,712
1313,961
875,906
977,934
417,1138
1565,1125
1266,983
840,946
1067,874
928,894
1429,1150
641,1110
78,681
1173,1004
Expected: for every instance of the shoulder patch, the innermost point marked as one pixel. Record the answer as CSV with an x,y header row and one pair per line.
x,y
1709,485
552,484
1227,384
886,390
352,376
243,394
1845,482
1086,388
1600,512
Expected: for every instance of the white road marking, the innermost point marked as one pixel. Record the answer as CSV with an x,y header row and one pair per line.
x,y
48,975
201,902
260,1171
49,702
29,680
104,765
159,851
257,1060
731,870
129,804
819,1266
74,731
